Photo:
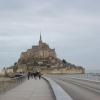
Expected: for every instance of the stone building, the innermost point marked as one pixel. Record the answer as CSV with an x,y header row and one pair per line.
x,y
43,58
42,51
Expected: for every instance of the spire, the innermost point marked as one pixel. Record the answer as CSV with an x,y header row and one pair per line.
x,y
40,37
40,41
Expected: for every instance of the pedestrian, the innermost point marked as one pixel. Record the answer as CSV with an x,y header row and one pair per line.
x,y
39,74
31,75
28,75
35,75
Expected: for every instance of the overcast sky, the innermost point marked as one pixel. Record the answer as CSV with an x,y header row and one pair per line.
x,y
72,27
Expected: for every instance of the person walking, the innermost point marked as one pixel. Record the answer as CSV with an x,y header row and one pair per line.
x,y
39,75
28,75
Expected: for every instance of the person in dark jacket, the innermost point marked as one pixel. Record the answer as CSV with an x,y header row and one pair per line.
x,y
39,75
28,75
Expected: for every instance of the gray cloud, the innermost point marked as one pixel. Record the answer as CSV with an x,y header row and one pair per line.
x,y
70,26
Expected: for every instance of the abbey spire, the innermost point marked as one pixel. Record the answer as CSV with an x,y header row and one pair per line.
x,y
40,41
40,37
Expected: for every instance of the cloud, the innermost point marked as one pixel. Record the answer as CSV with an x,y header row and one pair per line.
x,y
70,26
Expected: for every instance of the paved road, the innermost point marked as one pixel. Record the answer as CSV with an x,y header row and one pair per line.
x,y
30,90
79,89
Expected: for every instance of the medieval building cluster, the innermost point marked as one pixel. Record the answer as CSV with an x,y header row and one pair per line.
x,y
44,59
41,57
41,51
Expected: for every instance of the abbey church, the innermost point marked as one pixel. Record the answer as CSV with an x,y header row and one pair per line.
x,y
41,51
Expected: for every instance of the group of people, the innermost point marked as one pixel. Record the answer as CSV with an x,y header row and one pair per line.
x,y
34,74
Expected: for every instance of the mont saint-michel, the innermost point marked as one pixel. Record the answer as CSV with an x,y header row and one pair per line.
x,y
43,58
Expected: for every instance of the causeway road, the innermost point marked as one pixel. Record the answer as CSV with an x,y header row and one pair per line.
x,y
78,89
30,90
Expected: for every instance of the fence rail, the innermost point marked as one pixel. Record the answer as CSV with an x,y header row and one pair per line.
x,y
5,85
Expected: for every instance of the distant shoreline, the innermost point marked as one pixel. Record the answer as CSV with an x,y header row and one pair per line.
x,y
93,71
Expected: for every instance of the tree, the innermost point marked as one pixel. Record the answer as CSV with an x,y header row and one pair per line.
x,y
64,62
35,63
